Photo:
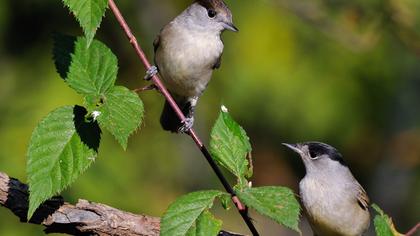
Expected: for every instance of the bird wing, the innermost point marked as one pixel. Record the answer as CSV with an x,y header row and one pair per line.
x,y
218,63
362,198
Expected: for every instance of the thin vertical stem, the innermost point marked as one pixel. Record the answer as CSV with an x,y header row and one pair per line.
x,y
133,41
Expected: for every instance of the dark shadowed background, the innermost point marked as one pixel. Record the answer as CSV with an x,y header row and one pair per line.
x,y
342,72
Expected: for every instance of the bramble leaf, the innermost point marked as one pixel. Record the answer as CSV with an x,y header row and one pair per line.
x,y
92,72
226,201
229,145
206,225
121,113
89,14
278,203
63,145
93,69
383,223
182,213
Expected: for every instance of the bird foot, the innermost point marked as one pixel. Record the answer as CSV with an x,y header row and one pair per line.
x,y
186,125
152,71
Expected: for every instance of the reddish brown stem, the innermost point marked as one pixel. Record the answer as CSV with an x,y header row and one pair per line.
x,y
143,58
133,41
413,230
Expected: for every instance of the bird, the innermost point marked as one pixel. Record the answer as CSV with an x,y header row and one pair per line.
x,y
187,50
333,201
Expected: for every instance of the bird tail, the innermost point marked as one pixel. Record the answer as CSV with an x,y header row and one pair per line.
x,y
169,120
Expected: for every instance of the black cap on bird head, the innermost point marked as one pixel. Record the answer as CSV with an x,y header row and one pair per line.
x,y
317,149
214,4
219,7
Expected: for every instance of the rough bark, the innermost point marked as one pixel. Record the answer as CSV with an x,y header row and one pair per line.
x,y
84,218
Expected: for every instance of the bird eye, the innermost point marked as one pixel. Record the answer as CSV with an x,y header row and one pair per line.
x,y
211,13
313,154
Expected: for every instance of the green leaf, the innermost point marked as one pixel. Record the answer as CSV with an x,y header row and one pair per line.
x,y
383,223
229,145
121,113
226,200
278,203
206,225
182,213
89,14
93,70
63,145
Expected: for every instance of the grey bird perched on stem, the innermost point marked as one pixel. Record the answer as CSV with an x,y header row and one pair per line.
x,y
187,50
334,202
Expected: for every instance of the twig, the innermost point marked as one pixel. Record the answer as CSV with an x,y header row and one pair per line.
x,y
84,218
412,231
133,41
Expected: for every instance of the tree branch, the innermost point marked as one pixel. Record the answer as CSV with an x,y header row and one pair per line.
x,y
84,218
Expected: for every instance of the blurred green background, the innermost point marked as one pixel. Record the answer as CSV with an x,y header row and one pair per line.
x,y
343,72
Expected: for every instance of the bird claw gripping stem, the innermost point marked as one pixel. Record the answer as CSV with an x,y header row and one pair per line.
x,y
152,71
187,124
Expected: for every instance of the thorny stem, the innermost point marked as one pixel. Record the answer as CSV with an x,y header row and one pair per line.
x,y
133,41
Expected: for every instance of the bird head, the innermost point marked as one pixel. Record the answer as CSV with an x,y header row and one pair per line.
x,y
317,156
212,14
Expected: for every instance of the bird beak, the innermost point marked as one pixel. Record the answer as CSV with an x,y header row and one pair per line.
x,y
231,27
294,147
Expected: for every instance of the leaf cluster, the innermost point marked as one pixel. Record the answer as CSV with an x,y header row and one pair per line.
x,y
230,147
66,142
